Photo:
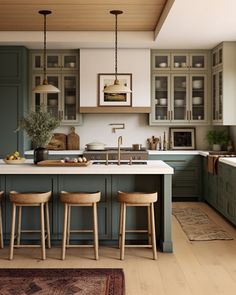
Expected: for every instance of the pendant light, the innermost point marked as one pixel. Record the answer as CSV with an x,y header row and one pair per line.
x,y
117,87
45,87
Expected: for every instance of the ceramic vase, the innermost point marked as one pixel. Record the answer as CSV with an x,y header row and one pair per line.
x,y
40,154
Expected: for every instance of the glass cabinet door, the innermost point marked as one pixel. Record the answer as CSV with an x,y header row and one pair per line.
x,y
70,98
53,61
220,98
198,98
70,61
198,61
161,95
52,100
161,61
179,61
37,98
179,95
214,96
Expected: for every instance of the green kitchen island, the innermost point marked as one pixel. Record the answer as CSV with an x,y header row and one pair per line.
x,y
153,176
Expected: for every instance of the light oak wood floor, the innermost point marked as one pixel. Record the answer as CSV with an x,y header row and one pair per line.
x,y
195,268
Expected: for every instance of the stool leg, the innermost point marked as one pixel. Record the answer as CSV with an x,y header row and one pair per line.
x,y
122,250
68,226
48,226
13,221
63,248
95,230
1,232
149,225
153,232
42,232
120,224
19,225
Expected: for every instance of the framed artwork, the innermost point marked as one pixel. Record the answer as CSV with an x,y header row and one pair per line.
x,y
114,99
182,138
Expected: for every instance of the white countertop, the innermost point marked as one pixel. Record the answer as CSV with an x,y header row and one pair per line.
x,y
152,167
150,152
62,152
230,161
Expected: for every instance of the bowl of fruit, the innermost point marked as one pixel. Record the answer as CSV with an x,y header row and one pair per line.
x,y
14,159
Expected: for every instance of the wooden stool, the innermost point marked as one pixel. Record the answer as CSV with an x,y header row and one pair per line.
x,y
137,199
75,200
30,200
1,232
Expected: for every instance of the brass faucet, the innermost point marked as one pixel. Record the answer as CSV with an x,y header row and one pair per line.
x,y
118,154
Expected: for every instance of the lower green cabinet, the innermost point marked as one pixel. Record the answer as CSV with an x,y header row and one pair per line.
x,y
221,191
227,191
187,180
81,217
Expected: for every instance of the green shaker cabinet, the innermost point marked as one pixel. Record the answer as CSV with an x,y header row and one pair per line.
x,y
187,181
13,96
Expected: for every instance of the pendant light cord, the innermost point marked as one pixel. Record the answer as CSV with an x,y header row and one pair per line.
x,y
116,46
44,48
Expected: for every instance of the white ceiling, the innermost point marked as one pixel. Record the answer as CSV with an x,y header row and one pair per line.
x,y
189,24
198,24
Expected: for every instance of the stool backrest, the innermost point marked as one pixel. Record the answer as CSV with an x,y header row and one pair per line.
x,y
80,197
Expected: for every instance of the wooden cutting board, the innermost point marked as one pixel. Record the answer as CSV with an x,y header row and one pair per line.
x,y
72,140
58,163
58,142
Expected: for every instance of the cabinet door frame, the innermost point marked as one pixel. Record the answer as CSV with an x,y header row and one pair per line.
x,y
191,61
173,68
172,98
167,55
153,119
205,105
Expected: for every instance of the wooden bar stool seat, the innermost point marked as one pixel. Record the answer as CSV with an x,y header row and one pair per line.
x,y
137,199
76,199
1,231
20,200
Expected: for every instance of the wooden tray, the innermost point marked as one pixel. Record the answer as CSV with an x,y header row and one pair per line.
x,y
54,163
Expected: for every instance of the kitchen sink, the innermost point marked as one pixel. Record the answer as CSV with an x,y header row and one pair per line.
x,y
134,162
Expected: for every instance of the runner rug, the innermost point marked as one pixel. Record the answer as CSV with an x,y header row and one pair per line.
x,y
198,226
62,281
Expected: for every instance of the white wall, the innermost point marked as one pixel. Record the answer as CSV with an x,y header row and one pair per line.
x,y
95,61
96,128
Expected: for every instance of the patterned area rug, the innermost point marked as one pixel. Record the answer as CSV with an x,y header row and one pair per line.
x,y
198,226
62,282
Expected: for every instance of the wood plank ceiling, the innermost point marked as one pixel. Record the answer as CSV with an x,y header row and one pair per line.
x,y
80,15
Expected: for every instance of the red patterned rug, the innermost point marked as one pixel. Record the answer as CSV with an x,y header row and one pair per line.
x,y
48,281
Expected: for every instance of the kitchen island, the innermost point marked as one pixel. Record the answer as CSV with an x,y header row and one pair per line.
x,y
152,176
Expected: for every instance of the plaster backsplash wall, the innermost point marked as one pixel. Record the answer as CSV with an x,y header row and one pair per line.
x,y
96,128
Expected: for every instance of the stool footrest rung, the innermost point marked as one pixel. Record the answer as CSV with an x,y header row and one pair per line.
x,y
136,231
138,246
27,246
79,246
81,231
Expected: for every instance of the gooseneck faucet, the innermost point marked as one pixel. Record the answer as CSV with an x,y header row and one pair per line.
x,y
119,144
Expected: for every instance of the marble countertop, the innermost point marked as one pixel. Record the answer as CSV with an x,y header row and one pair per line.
x,y
230,161
150,152
152,167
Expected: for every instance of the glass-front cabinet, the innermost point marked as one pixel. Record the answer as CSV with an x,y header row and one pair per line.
x,y
180,92
179,61
62,72
217,96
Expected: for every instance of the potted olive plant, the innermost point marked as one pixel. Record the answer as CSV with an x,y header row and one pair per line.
x,y
216,139
39,126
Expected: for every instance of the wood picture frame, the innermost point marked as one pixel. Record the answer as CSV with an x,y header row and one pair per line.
x,y
182,138
118,99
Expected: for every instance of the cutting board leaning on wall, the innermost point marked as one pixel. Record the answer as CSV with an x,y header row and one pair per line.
x,y
73,140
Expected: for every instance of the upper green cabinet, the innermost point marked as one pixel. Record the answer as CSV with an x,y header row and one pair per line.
x,y
62,72
224,84
179,88
13,96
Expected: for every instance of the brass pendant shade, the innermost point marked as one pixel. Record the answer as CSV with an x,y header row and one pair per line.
x,y
117,86
45,87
